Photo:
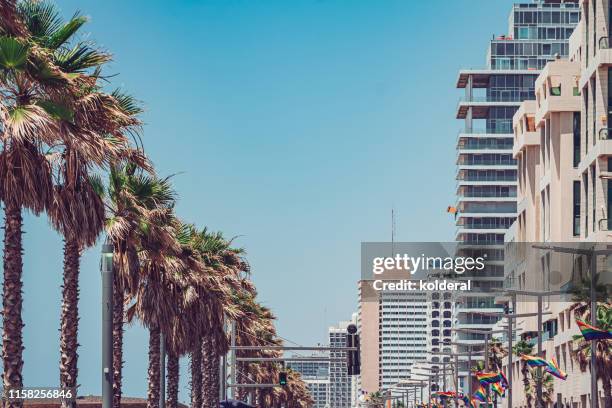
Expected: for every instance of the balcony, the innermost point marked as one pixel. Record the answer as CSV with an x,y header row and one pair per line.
x,y
602,148
480,105
603,58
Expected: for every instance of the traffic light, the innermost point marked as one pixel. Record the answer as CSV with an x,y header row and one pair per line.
x,y
353,360
282,378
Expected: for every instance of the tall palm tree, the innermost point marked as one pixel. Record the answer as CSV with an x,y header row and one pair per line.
x,y
91,127
603,356
134,199
520,348
29,87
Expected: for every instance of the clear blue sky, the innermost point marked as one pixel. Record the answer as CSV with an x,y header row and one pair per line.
x,y
296,125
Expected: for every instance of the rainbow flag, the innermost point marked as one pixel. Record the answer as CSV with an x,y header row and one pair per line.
x,y
488,378
534,361
481,394
591,332
498,389
553,368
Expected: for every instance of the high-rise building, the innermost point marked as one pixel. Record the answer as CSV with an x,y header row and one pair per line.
x,y
339,380
316,376
393,331
486,169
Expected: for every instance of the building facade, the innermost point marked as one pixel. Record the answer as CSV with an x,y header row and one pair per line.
x,y
486,168
316,376
563,147
339,380
393,333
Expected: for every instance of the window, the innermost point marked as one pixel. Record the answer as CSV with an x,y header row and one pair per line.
x,y
577,207
576,131
594,198
585,183
609,198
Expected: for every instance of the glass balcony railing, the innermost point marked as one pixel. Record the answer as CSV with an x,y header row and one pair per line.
x,y
485,145
487,226
487,162
487,194
509,97
488,178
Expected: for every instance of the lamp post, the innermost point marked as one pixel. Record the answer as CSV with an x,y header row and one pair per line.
x,y
469,353
539,295
106,269
511,318
456,355
487,334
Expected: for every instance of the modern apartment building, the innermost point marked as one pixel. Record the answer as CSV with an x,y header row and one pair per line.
x,y
563,147
486,169
316,376
339,380
393,330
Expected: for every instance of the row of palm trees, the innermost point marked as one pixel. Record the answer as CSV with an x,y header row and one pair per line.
x,y
62,135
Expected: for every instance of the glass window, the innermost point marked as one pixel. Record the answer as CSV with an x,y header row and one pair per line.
x,y
577,208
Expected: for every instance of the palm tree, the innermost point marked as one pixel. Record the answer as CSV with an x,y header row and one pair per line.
x,y
520,348
133,200
603,356
29,85
496,353
91,129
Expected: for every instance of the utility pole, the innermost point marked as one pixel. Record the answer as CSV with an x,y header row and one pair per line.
x,y
233,376
106,269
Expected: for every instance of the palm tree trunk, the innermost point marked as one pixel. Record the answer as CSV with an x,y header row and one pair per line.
x,y
242,392
210,373
525,373
70,319
173,379
196,377
117,341
154,369
607,388
12,336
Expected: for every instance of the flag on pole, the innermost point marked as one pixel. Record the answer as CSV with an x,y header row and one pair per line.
x,y
534,361
488,378
481,394
498,389
554,369
591,332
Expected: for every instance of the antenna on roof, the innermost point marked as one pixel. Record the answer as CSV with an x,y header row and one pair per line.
x,y
392,231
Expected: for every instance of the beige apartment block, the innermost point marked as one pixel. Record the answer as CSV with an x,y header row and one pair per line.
x,y
563,145
368,323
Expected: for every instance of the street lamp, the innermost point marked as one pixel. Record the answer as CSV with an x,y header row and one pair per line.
x,y
510,334
456,355
429,376
469,360
540,295
487,334
106,269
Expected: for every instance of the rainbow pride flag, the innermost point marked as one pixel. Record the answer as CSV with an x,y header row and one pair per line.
x,y
481,394
591,332
553,368
534,361
488,378
498,389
